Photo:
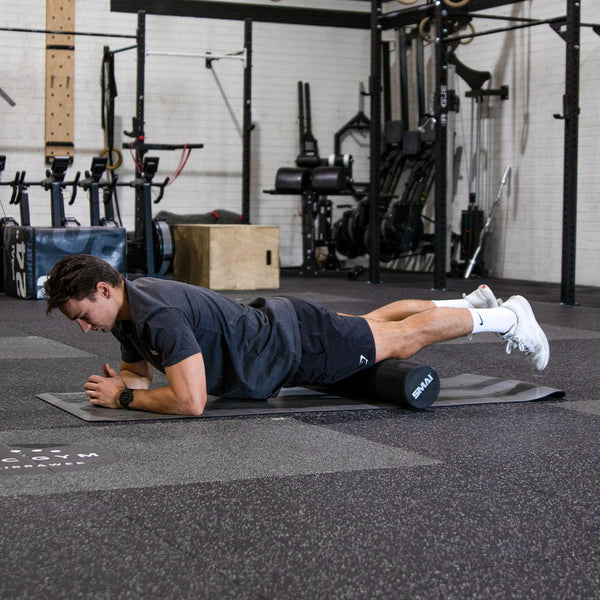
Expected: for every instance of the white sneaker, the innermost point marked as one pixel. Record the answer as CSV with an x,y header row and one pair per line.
x,y
482,297
527,335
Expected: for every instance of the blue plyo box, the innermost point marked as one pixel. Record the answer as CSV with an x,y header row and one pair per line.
x,y
29,253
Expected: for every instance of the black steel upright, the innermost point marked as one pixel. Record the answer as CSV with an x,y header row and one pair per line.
x,y
403,76
57,205
420,73
143,193
138,125
571,116
441,125
247,126
387,82
375,164
94,192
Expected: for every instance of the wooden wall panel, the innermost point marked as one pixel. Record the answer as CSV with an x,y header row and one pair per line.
x,y
60,72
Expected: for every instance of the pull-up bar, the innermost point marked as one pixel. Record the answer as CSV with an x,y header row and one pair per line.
x,y
209,56
54,32
528,23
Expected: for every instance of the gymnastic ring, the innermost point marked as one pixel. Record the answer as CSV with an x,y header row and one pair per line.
x,y
424,36
455,3
468,40
119,158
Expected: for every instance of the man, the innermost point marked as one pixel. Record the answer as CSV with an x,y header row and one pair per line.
x,y
206,343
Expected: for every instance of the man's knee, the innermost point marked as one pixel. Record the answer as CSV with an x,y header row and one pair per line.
x,y
392,340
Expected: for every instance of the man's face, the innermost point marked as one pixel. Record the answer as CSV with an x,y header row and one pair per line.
x,y
97,313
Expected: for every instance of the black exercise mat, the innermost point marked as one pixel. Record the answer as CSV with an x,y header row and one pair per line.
x,y
477,389
455,391
289,401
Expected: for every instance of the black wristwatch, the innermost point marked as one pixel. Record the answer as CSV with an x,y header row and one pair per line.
x,y
126,398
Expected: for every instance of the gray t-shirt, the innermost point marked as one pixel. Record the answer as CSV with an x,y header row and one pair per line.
x,y
249,350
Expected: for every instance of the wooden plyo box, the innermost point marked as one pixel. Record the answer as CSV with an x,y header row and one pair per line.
x,y
227,257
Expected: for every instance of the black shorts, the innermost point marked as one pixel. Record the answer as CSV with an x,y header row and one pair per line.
x,y
333,346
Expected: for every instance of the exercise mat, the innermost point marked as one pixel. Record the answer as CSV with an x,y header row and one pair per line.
x,y
461,390
477,389
288,401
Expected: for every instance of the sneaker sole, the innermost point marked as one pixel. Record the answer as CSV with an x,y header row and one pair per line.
x,y
526,308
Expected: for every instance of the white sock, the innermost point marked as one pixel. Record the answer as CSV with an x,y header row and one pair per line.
x,y
496,320
458,303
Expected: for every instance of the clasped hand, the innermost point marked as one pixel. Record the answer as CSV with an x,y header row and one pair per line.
x,y
104,390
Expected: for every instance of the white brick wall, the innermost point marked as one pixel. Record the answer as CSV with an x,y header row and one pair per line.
x,y
185,102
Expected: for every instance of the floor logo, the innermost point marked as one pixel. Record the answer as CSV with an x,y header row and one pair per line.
x,y
35,458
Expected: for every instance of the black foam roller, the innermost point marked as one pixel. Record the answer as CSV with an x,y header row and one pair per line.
x,y
328,179
395,382
291,179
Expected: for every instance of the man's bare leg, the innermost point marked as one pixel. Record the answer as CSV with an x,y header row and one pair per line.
x,y
514,321
482,297
402,339
404,327
399,310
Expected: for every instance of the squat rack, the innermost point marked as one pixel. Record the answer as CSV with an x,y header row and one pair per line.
x,y
245,57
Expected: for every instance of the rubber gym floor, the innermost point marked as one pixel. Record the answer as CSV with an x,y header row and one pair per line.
x,y
487,501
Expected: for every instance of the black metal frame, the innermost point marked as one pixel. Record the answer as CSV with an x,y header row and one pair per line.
x,y
247,124
376,139
377,22
241,11
143,232
247,127
441,150
441,14
571,117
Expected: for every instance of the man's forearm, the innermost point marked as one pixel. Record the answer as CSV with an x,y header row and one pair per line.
x,y
134,381
162,400
185,394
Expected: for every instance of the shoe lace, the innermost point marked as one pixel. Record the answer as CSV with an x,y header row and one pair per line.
x,y
513,342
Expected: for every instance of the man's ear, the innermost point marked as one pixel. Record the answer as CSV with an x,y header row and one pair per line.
x,y
104,289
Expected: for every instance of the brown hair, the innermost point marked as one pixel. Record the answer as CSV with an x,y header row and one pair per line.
x,y
75,277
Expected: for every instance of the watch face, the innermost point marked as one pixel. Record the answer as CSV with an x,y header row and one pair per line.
x,y
126,397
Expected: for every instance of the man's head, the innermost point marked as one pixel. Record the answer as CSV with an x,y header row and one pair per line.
x,y
76,284
76,277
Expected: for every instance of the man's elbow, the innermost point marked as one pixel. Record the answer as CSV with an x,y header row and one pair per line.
x,y
192,406
195,411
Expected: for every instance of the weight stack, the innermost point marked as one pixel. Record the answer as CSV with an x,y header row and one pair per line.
x,y
31,252
470,231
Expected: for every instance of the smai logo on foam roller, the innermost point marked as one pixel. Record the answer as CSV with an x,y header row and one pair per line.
x,y
422,386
